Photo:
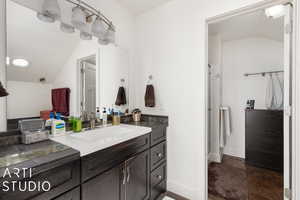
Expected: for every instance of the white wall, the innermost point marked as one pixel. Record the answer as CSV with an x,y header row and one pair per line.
x,y
27,99
113,63
171,47
246,56
3,123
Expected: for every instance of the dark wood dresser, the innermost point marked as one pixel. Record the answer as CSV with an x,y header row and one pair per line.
x,y
264,139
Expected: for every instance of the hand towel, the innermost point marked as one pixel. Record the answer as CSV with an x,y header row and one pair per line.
x,y
149,96
121,97
61,100
225,124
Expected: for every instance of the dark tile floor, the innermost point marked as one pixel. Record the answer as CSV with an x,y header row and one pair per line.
x,y
234,180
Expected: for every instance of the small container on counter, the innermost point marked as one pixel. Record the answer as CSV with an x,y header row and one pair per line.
x,y
77,124
136,115
116,118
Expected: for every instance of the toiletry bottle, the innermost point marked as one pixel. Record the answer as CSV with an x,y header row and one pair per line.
x,y
104,117
48,124
98,114
58,126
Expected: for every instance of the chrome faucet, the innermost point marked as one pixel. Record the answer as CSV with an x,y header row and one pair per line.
x,y
92,120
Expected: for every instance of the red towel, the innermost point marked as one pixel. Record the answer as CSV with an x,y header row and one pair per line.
x,y
61,101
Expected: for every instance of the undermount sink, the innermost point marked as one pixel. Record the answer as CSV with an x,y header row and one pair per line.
x,y
94,140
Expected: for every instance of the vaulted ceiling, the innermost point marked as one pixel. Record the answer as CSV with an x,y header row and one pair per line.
x,y
42,44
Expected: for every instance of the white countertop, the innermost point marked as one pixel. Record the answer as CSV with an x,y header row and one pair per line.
x,y
95,140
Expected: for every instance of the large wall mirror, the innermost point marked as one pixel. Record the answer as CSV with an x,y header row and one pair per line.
x,y
51,70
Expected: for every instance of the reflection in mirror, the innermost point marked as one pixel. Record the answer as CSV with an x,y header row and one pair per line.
x,y
42,69
88,84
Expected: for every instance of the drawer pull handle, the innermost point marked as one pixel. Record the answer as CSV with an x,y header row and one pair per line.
x,y
159,177
160,155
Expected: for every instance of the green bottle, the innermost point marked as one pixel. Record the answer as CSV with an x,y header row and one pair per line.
x,y
77,125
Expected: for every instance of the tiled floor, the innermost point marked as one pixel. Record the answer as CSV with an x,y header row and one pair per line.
x,y
234,180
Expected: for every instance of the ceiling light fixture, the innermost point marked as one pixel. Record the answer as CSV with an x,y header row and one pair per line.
x,y
103,41
82,15
98,27
79,17
85,35
110,35
50,11
275,11
66,28
20,62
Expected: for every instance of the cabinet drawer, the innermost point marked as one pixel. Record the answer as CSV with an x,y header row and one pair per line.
x,y
61,178
158,154
159,175
265,143
98,162
71,195
158,190
264,159
266,120
158,134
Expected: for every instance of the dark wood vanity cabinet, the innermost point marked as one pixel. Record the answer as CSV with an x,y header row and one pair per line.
x,y
133,170
63,176
106,186
137,185
264,139
130,180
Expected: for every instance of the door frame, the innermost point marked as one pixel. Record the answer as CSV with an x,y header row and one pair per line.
x,y
295,76
79,81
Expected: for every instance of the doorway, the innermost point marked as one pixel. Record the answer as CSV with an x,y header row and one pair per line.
x,y
87,71
248,105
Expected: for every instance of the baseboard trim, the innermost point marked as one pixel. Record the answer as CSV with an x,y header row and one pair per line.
x,y
215,157
181,190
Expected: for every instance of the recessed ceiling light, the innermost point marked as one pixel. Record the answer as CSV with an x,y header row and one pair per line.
x,y
275,11
7,60
19,62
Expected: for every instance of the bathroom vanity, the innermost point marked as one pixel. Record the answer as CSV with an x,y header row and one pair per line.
x,y
130,163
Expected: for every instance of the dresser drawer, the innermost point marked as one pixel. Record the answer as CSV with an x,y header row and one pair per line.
x,y
268,142
158,134
158,154
98,162
266,120
265,159
159,175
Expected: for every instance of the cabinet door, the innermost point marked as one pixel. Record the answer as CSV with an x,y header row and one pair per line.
x,y
104,187
138,177
71,195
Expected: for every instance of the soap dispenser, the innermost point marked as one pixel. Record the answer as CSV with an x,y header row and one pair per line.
x,y
104,117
